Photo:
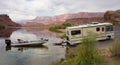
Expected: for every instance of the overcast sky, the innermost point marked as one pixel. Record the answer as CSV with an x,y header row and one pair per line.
x,y
28,9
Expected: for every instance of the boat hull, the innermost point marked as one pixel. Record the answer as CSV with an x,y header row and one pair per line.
x,y
27,44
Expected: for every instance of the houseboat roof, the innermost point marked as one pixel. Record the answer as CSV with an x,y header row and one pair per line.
x,y
89,25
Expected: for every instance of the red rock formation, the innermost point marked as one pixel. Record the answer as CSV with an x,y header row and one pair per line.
x,y
6,21
47,20
112,16
79,21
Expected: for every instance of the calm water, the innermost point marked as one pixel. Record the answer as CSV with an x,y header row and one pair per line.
x,y
44,55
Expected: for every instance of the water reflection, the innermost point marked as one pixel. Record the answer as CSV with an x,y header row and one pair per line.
x,y
29,34
41,33
38,55
22,34
8,48
7,32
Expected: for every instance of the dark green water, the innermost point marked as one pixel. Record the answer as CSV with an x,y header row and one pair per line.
x,y
44,55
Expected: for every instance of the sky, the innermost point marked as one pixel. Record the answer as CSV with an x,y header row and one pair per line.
x,y
19,10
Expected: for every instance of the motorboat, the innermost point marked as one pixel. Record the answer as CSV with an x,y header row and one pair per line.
x,y
22,43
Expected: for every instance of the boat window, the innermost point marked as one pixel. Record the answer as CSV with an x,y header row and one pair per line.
x,y
103,29
109,28
75,32
97,29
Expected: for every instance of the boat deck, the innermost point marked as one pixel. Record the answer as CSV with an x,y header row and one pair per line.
x,y
32,43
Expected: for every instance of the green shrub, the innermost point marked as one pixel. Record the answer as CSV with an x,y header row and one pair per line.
x,y
56,28
88,54
63,36
85,54
66,24
115,48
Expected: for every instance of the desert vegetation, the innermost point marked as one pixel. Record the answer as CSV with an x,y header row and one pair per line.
x,y
87,53
63,35
115,48
84,54
56,28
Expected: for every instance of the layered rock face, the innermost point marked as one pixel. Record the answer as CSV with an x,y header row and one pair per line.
x,y
112,16
6,21
47,20
80,21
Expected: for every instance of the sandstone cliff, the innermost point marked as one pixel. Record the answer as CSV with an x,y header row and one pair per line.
x,y
80,21
112,16
6,21
59,19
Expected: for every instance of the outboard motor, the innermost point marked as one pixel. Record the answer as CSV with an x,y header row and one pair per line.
x,y
8,42
45,39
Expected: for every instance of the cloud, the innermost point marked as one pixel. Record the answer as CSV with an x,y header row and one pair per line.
x,y
29,9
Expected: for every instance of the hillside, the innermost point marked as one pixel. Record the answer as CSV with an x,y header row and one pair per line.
x,y
51,20
109,16
6,21
79,21
112,16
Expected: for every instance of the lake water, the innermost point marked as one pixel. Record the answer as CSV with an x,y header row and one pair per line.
x,y
44,55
